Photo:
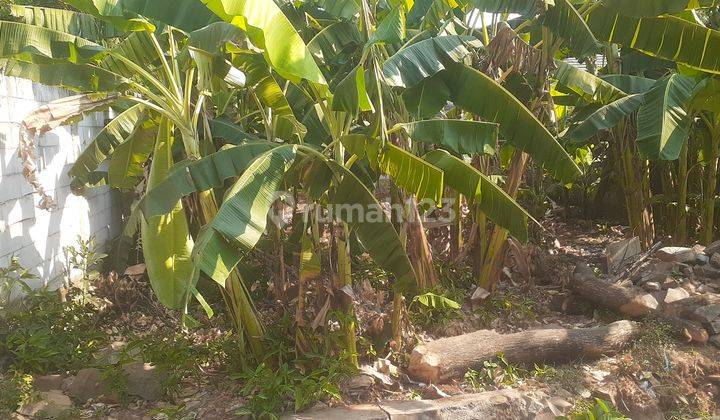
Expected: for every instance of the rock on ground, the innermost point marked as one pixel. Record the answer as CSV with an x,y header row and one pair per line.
x,y
51,404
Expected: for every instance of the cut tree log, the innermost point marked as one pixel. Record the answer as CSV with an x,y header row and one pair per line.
x,y
630,301
634,302
442,360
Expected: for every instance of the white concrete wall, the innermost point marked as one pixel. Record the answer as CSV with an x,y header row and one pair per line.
x,y
38,236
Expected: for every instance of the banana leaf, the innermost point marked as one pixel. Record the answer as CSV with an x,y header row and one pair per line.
x,y
126,167
82,78
517,124
651,8
204,174
460,136
668,37
586,85
268,28
74,23
663,121
630,84
426,58
499,207
167,244
605,118
566,22
105,143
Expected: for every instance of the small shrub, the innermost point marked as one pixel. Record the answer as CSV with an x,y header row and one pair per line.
x,y
15,390
599,410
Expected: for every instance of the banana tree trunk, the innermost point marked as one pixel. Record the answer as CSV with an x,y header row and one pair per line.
x,y
681,233
418,247
345,281
711,187
495,255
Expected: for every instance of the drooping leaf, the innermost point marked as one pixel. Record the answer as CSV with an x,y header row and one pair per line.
x,y
412,173
426,58
74,23
230,132
204,174
566,22
167,244
243,216
105,143
268,28
431,300
522,7
605,118
126,164
586,85
76,77
427,98
517,124
376,233
490,198
667,37
663,120
111,11
651,8
334,39
460,136
629,84
29,43
270,94
391,29
214,256
351,95
707,95
187,15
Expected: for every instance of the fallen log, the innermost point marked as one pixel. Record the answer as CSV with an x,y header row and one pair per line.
x,y
447,358
630,301
634,302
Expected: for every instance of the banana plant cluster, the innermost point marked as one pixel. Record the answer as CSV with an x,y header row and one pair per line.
x,y
220,105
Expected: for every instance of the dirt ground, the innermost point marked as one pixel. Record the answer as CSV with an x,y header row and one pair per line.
x,y
657,376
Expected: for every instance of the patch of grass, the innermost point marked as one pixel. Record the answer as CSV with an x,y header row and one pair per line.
x,y
650,347
497,372
597,410
567,377
52,336
15,390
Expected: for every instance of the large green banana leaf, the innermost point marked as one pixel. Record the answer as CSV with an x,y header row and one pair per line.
x,y
126,164
523,7
27,42
334,39
424,59
707,95
204,174
74,23
630,84
111,11
391,29
187,15
490,199
460,136
105,143
663,121
76,77
376,233
605,118
668,37
243,216
350,95
412,173
427,98
137,47
566,22
270,94
214,256
475,92
429,12
651,8
167,244
586,85
269,28
230,132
